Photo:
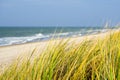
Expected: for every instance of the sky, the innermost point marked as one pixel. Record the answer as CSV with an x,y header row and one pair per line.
x,y
59,12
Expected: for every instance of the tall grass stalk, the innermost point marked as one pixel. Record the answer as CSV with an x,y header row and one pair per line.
x,y
88,60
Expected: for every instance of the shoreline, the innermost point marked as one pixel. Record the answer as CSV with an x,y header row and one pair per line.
x,y
10,53
42,40
50,39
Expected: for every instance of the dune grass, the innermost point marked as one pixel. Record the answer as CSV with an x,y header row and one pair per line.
x,y
88,60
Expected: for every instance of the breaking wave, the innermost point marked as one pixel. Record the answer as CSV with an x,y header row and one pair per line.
x,y
39,37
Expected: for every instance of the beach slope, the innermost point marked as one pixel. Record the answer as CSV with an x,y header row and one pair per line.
x,y
11,53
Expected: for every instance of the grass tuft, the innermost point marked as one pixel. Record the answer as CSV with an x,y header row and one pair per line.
x,y
88,60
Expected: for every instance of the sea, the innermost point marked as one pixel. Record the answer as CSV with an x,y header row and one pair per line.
x,y
20,35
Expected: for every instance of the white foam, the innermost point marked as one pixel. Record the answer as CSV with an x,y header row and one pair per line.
x,y
39,35
61,34
18,40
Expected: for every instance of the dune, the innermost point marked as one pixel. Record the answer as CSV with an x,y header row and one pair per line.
x,y
10,53
63,58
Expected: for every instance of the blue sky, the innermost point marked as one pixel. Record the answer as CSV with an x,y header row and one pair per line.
x,y
59,12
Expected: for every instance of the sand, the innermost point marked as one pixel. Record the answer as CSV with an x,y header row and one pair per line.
x,y
9,54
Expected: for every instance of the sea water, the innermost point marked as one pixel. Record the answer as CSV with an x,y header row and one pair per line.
x,y
19,35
